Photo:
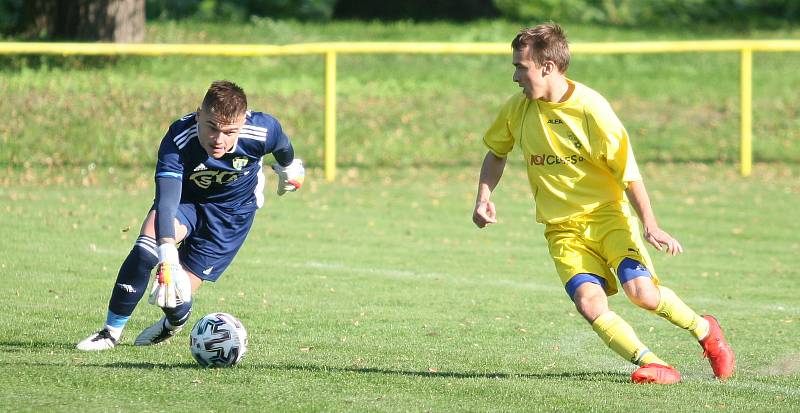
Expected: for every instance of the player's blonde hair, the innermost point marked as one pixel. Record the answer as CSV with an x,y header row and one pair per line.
x,y
225,99
544,42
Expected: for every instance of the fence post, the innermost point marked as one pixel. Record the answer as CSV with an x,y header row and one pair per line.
x,y
746,85
330,115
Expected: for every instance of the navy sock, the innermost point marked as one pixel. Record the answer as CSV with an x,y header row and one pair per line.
x,y
131,284
179,315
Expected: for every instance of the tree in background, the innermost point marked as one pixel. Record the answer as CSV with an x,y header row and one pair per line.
x,y
240,10
123,20
458,10
119,21
321,10
639,13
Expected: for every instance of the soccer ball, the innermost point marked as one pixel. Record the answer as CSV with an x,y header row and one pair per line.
x,y
218,340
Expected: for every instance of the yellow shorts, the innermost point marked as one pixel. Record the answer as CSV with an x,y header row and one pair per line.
x,y
596,243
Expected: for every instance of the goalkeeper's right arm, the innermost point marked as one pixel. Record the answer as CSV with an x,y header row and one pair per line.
x,y
172,286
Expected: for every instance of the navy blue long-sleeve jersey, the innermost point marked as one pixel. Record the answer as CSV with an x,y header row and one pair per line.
x,y
234,182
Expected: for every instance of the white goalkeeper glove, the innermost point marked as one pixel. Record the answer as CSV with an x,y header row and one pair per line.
x,y
172,286
290,178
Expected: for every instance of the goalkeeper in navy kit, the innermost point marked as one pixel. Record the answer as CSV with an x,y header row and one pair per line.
x,y
209,184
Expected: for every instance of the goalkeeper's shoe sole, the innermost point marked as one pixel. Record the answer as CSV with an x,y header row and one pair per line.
x,y
156,333
656,373
101,340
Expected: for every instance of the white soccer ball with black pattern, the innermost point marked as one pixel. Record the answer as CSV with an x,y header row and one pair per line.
x,y
218,340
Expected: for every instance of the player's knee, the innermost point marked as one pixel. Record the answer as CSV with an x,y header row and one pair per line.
x,y
643,293
588,305
145,252
638,283
579,279
588,301
630,269
181,230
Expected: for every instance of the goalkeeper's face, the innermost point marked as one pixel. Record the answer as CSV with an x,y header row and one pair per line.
x,y
217,135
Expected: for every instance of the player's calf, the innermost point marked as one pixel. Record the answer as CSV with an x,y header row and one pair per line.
x,y
129,288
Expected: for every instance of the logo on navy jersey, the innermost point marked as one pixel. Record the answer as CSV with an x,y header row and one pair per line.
x,y
204,179
239,163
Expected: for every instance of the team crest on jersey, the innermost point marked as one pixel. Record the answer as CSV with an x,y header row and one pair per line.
x,y
204,179
239,163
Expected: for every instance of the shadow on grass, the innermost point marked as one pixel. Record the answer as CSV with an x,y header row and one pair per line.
x,y
18,346
578,375
80,362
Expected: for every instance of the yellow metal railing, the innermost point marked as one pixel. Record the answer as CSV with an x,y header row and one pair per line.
x,y
746,90
330,116
330,50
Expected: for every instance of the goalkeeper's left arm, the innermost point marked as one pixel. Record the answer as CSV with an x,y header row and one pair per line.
x,y
290,170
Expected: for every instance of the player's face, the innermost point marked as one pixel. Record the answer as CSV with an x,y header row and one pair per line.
x,y
217,136
529,76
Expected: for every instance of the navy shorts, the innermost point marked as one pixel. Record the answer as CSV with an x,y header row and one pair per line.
x,y
214,238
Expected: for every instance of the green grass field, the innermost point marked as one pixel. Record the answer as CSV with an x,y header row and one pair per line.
x,y
376,292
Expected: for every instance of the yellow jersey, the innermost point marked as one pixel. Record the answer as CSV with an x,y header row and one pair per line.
x,y
577,152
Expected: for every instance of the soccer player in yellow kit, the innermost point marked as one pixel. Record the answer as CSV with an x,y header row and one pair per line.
x,y
585,180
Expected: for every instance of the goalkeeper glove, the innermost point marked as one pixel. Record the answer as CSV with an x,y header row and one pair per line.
x,y
172,286
290,178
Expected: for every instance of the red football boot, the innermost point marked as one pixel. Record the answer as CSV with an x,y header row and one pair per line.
x,y
656,373
717,350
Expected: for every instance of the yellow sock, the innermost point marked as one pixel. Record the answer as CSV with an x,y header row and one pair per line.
x,y
677,312
620,337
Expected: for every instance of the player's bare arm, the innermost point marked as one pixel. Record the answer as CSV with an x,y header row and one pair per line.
x,y
491,172
658,238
